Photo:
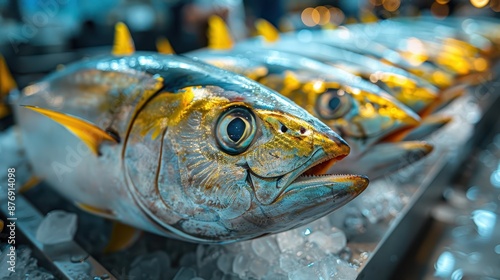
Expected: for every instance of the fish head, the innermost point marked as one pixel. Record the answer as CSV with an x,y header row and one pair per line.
x,y
229,160
362,115
361,112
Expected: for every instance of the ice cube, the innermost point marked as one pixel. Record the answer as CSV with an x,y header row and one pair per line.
x,y
322,239
310,253
318,270
185,273
266,248
345,270
26,266
188,260
225,262
150,266
206,254
240,264
57,227
275,276
288,262
217,275
289,240
332,242
259,267
354,223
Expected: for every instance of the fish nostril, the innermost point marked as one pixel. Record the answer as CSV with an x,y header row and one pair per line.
x,y
302,130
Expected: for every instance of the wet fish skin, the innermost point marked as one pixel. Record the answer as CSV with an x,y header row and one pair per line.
x,y
175,168
363,114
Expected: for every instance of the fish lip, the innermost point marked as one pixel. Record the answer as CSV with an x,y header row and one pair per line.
x,y
294,174
290,182
359,182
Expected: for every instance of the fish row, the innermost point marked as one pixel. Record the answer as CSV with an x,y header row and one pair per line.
x,y
190,148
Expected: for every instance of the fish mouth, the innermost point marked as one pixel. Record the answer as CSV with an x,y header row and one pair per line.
x,y
315,177
312,175
308,195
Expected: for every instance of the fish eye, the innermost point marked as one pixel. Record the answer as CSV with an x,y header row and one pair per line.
x,y
333,104
235,130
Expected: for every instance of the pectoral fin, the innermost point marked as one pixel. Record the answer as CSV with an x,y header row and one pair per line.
x,y
123,44
163,46
267,30
122,237
219,37
89,133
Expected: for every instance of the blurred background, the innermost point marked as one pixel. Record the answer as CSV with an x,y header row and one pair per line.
x,y
38,35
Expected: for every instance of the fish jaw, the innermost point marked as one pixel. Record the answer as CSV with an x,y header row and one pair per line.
x,y
308,198
297,147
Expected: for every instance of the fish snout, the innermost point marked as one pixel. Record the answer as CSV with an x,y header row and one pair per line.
x,y
332,144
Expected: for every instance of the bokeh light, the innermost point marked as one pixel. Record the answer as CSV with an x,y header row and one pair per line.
x,y
479,3
321,15
480,64
376,2
324,15
391,5
495,5
439,10
336,16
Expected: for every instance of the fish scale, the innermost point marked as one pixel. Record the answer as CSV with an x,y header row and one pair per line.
x,y
133,138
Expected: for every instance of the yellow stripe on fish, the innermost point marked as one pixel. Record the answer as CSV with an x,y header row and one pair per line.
x,y
205,155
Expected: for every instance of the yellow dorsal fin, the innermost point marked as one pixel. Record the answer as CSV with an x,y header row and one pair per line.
x,y
7,83
90,134
105,213
267,30
163,46
123,44
122,237
219,37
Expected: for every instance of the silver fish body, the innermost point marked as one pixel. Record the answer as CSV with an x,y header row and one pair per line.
x,y
359,129
371,69
200,154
